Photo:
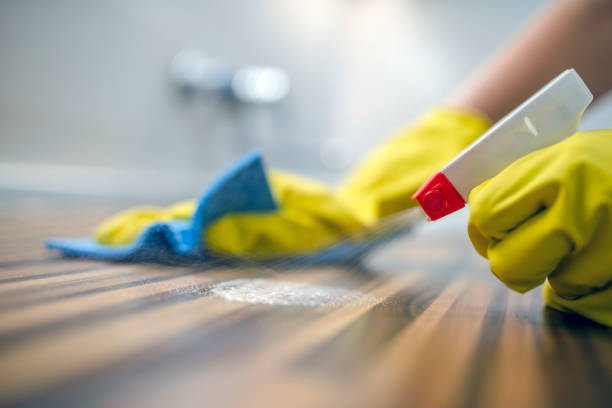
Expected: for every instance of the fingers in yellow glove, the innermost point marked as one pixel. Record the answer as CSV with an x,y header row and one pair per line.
x,y
547,217
385,182
309,218
596,306
124,227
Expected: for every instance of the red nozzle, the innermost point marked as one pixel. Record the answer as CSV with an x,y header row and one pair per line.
x,y
438,197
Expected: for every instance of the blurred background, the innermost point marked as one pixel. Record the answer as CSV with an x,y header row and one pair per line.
x,y
91,102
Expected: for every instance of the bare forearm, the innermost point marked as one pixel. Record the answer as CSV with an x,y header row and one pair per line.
x,y
567,34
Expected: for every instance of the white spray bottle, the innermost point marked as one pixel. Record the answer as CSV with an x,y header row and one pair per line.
x,y
549,116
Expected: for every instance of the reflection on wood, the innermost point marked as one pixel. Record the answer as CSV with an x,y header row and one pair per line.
x,y
429,331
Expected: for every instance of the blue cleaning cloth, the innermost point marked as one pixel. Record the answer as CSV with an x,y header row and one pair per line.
x,y
242,188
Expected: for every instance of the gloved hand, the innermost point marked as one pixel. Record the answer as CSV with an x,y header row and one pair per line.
x,y
312,217
548,218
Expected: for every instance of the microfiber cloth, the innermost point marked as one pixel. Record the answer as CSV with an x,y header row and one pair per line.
x,y
242,188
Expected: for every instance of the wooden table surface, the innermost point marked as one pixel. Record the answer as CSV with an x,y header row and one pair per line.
x,y
424,324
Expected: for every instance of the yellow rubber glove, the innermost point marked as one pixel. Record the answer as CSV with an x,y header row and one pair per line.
x,y
124,227
312,217
547,217
385,182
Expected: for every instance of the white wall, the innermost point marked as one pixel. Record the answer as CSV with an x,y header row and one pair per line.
x,y
86,104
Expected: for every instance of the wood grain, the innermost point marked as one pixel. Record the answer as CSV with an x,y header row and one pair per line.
x,y
431,328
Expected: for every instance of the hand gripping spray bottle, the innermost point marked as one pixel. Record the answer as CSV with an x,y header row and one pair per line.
x,y
547,117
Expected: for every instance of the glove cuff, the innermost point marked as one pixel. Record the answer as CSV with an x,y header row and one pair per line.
x,y
465,124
